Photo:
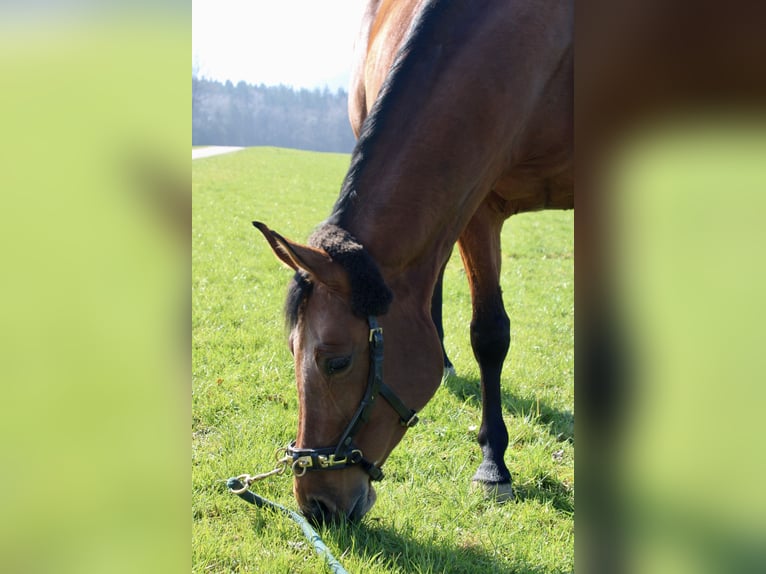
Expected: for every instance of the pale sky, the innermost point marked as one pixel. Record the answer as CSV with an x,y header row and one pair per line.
x,y
302,43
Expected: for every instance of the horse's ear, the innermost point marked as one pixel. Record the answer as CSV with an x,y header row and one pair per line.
x,y
278,247
316,262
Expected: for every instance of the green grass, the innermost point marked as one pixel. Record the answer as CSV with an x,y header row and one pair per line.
x,y
426,519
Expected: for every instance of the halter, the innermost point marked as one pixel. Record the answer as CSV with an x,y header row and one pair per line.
x,y
345,454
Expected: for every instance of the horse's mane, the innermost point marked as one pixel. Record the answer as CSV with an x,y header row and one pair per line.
x,y
297,293
369,293
385,111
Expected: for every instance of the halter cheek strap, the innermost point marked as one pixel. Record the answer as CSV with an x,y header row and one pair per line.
x,y
345,454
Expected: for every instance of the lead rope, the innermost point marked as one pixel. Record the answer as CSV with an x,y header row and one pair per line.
x,y
239,486
316,541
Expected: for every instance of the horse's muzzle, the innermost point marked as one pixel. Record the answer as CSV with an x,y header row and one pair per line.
x,y
323,509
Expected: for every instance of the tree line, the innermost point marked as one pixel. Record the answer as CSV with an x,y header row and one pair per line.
x,y
249,115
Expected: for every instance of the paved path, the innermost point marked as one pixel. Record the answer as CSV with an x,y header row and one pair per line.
x,y
213,150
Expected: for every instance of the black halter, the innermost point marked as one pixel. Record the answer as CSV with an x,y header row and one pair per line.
x,y
345,454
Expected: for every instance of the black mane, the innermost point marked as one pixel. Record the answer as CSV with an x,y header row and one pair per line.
x,y
369,293
297,293
387,114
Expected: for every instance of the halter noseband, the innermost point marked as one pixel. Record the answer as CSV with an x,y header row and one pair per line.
x,y
345,454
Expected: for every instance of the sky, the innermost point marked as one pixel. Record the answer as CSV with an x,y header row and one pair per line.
x,y
301,43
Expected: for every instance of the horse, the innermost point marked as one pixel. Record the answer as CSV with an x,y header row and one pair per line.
x,y
466,120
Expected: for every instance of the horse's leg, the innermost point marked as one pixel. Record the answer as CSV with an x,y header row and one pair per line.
x,y
436,315
490,339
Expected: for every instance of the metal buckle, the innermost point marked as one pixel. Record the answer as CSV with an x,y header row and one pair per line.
x,y
330,461
301,465
304,463
376,330
412,422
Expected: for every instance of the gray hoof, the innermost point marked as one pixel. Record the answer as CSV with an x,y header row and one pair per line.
x,y
497,491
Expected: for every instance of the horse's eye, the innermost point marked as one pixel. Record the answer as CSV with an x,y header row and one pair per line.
x,y
336,365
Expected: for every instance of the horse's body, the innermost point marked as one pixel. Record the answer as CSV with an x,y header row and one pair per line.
x,y
464,117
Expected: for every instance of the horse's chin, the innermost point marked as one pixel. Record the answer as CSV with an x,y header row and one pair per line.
x,y
363,505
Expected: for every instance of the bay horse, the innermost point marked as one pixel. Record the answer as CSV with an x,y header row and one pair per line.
x,y
466,119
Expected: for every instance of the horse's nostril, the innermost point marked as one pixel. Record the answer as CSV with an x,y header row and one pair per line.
x,y
319,513
320,508
323,511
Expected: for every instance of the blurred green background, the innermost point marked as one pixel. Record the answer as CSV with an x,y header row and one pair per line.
x,y
687,239
94,297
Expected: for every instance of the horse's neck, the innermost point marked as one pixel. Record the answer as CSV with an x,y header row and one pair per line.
x,y
410,216
441,132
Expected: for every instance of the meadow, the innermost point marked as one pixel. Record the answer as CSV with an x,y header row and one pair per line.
x,y
244,405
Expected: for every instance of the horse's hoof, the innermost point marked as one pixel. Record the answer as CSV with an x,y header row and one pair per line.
x,y
497,491
449,372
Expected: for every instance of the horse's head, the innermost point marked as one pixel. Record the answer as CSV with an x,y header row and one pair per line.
x,y
350,415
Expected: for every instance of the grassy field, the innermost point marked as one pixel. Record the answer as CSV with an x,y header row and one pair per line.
x,y
426,519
